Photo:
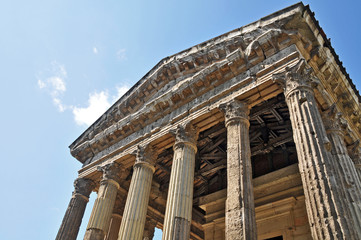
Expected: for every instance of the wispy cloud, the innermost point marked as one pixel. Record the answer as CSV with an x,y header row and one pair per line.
x,y
98,101
121,54
95,50
54,83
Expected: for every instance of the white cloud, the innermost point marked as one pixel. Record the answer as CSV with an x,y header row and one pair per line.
x,y
95,50
97,104
41,84
58,103
121,54
58,84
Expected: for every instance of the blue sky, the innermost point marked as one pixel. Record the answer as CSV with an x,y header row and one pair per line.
x,y
64,62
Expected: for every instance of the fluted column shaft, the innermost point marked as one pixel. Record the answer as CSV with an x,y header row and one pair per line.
x,y
136,206
116,218
103,206
323,203
178,214
355,154
345,171
240,212
74,214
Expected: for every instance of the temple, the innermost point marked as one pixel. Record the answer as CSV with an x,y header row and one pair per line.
x,y
250,135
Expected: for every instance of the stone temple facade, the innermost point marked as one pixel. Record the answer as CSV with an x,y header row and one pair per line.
x,y
251,135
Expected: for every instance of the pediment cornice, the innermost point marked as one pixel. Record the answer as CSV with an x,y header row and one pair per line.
x,y
178,79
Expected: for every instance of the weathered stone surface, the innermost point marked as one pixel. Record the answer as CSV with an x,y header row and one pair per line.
x,y
103,206
313,150
73,217
135,211
240,213
344,171
178,213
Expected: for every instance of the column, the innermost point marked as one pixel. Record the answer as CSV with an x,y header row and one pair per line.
x,y
345,171
103,206
313,151
355,153
74,214
116,218
150,225
178,214
240,212
135,211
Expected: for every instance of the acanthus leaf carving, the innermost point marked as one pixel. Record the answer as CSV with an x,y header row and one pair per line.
x,y
83,186
111,171
235,109
333,120
295,77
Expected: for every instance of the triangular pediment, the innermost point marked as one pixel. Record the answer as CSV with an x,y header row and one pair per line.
x,y
182,77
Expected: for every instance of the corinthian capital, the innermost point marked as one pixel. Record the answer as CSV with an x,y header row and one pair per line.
x,y
333,120
296,77
235,110
146,154
187,133
111,171
83,186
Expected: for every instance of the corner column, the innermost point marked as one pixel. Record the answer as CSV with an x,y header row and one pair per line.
x,y
132,226
74,214
323,203
345,171
240,212
178,214
103,206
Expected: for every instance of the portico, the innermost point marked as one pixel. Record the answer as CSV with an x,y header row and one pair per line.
x,y
230,139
